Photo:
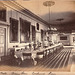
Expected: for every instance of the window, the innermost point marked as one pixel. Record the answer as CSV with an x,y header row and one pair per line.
x,y
41,35
74,39
24,31
13,30
37,26
2,13
33,33
63,38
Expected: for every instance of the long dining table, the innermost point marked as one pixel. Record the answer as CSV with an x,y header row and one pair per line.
x,y
39,53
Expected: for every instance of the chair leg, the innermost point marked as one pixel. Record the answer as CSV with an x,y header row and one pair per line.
x,y
34,62
18,61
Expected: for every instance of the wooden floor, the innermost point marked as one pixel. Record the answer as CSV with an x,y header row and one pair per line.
x,y
60,61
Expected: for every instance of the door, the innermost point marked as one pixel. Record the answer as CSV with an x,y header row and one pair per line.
x,y
2,41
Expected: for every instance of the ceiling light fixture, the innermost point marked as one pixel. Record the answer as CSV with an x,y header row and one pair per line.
x,y
49,4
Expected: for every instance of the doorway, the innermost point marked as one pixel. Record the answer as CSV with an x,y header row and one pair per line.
x,y
2,41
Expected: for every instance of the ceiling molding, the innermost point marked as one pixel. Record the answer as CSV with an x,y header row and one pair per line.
x,y
24,10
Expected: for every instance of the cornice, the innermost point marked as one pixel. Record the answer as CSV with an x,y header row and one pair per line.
x,y
26,11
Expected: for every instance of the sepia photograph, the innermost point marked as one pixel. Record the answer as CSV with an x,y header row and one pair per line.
x,y
37,36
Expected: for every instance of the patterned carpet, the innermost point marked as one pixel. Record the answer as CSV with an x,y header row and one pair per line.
x,y
60,61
